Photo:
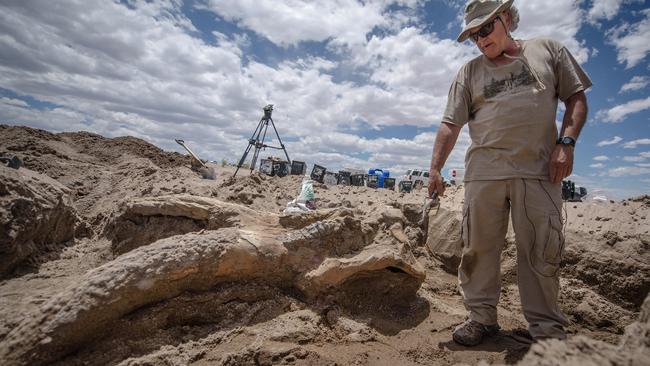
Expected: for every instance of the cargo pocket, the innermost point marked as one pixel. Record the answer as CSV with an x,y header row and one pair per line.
x,y
548,254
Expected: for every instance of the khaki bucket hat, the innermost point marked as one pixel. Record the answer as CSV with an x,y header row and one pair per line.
x,y
478,12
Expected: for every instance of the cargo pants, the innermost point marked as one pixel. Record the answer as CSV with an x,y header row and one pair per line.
x,y
535,207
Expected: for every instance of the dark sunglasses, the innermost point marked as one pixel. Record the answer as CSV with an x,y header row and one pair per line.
x,y
485,30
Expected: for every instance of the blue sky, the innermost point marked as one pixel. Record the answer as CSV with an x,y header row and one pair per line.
x,y
355,83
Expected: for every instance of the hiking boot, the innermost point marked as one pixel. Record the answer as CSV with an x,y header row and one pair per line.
x,y
471,332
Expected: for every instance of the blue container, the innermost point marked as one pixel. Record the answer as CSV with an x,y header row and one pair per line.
x,y
381,174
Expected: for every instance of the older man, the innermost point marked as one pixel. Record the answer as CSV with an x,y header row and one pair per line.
x,y
508,96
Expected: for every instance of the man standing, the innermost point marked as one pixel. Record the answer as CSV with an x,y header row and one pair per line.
x,y
508,96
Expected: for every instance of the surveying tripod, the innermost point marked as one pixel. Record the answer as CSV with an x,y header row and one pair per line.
x,y
259,144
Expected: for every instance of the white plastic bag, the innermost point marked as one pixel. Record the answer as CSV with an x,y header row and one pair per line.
x,y
306,192
305,201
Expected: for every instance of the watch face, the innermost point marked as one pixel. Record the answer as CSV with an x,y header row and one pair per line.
x,y
567,140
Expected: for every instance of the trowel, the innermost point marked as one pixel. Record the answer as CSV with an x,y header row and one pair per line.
x,y
206,172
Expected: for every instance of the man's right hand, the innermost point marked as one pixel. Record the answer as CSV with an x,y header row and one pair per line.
x,y
436,183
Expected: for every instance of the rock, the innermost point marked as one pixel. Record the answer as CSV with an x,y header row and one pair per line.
x,y
36,215
373,263
390,216
592,310
611,272
340,257
633,349
444,239
142,221
146,275
611,237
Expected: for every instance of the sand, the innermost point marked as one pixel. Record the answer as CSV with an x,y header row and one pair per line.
x,y
116,252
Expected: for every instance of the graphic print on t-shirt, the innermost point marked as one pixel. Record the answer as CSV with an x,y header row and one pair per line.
x,y
509,84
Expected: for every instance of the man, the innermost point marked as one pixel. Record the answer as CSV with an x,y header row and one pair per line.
x,y
508,96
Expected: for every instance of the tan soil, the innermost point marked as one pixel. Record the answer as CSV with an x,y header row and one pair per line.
x,y
160,267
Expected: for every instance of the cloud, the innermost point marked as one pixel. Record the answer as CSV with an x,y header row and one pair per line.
x,y
559,19
145,70
635,143
626,171
631,40
638,158
637,83
603,9
601,158
597,165
14,102
620,112
287,23
615,140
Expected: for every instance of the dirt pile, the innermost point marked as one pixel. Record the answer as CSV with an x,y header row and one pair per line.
x,y
142,262
633,349
36,217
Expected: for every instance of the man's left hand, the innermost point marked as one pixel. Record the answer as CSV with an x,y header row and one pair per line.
x,y
561,164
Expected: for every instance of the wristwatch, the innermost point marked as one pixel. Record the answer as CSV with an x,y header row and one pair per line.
x,y
566,140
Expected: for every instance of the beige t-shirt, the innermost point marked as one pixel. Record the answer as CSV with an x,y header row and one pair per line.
x,y
511,109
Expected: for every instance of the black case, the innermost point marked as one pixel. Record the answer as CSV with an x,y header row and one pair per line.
x,y
318,173
357,179
372,180
266,166
298,167
344,178
281,168
389,183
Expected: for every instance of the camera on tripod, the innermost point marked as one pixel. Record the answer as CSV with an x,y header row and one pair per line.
x,y
267,111
257,141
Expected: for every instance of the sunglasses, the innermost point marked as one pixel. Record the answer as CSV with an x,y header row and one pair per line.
x,y
485,30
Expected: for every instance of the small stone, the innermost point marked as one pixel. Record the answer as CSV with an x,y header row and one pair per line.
x,y
580,215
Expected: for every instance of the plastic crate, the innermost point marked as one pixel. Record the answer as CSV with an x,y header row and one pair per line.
x,y
318,173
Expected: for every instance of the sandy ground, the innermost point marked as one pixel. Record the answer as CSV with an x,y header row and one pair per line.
x,y
112,202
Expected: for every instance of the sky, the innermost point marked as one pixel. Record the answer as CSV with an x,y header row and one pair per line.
x,y
354,83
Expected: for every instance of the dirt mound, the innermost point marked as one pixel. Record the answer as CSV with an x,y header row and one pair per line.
x,y
187,271
108,151
36,217
341,260
634,348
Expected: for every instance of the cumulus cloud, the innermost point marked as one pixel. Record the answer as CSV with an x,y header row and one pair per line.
x,y
615,140
560,20
597,165
626,171
141,71
620,112
142,68
287,23
631,40
637,83
603,9
601,158
641,157
635,143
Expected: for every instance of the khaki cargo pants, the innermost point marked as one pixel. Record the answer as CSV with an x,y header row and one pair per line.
x,y
536,218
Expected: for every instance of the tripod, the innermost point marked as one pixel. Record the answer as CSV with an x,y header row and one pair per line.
x,y
259,144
